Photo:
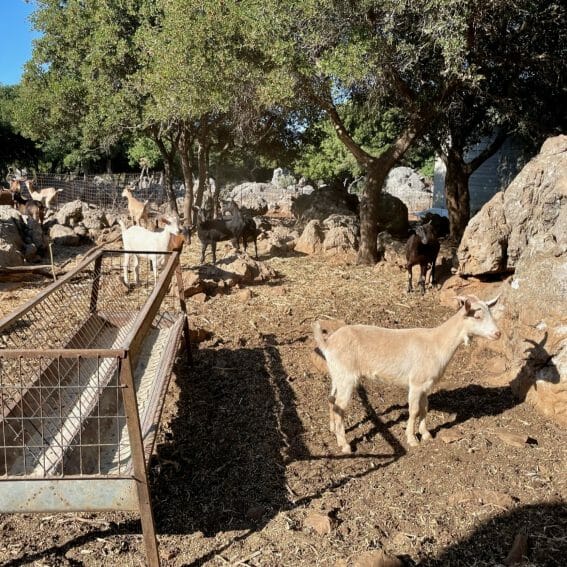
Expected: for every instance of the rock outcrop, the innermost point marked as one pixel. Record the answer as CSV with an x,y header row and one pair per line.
x,y
530,214
524,231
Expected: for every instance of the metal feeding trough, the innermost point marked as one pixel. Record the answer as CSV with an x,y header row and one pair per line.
x,y
84,369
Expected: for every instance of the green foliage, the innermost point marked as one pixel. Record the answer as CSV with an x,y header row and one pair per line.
x,y
143,151
323,156
15,149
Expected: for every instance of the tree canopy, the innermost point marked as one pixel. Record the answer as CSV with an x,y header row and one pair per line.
x,y
335,87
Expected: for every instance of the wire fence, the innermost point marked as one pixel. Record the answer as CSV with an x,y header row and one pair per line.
x,y
105,191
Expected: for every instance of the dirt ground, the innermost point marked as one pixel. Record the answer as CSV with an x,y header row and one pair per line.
x,y
245,458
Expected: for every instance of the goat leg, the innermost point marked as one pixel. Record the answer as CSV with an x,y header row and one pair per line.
x,y
432,274
410,287
423,407
422,276
413,403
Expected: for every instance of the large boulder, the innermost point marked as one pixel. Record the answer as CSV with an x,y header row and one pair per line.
x,y
11,242
94,218
322,203
311,239
392,215
63,235
409,186
341,240
524,230
530,212
70,214
259,197
278,241
535,353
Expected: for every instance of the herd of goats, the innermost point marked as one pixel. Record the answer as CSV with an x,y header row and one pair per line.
x,y
414,358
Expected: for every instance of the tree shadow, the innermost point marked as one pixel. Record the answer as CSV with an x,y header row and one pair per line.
x,y
544,524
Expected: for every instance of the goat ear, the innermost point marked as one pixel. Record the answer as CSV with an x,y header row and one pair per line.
x,y
493,301
465,302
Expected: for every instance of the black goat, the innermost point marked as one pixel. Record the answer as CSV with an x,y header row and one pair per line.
x,y
422,248
242,227
30,207
211,231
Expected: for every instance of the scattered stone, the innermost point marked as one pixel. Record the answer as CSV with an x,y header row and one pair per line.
x,y
449,436
321,523
513,439
244,295
377,558
192,284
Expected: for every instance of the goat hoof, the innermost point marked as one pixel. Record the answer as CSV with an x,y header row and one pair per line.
x,y
413,442
346,449
426,436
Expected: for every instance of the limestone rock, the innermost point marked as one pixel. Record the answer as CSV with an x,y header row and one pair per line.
x,y
311,240
340,240
63,236
530,215
70,213
11,243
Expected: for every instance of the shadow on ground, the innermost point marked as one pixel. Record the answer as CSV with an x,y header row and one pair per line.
x,y
544,524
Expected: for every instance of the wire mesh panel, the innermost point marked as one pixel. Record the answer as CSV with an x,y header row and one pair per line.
x,y
84,369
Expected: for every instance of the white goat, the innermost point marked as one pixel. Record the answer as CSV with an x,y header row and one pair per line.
x,y
138,210
415,358
139,239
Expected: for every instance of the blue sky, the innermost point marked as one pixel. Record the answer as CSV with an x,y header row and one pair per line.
x,y
17,39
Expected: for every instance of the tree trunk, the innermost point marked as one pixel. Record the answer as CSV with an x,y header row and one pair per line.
x,y
368,249
168,157
377,170
202,160
457,195
170,194
185,145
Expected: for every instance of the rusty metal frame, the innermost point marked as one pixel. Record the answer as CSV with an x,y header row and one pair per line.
x,y
130,490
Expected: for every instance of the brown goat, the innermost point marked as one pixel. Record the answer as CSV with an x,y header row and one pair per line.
x,y
30,207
